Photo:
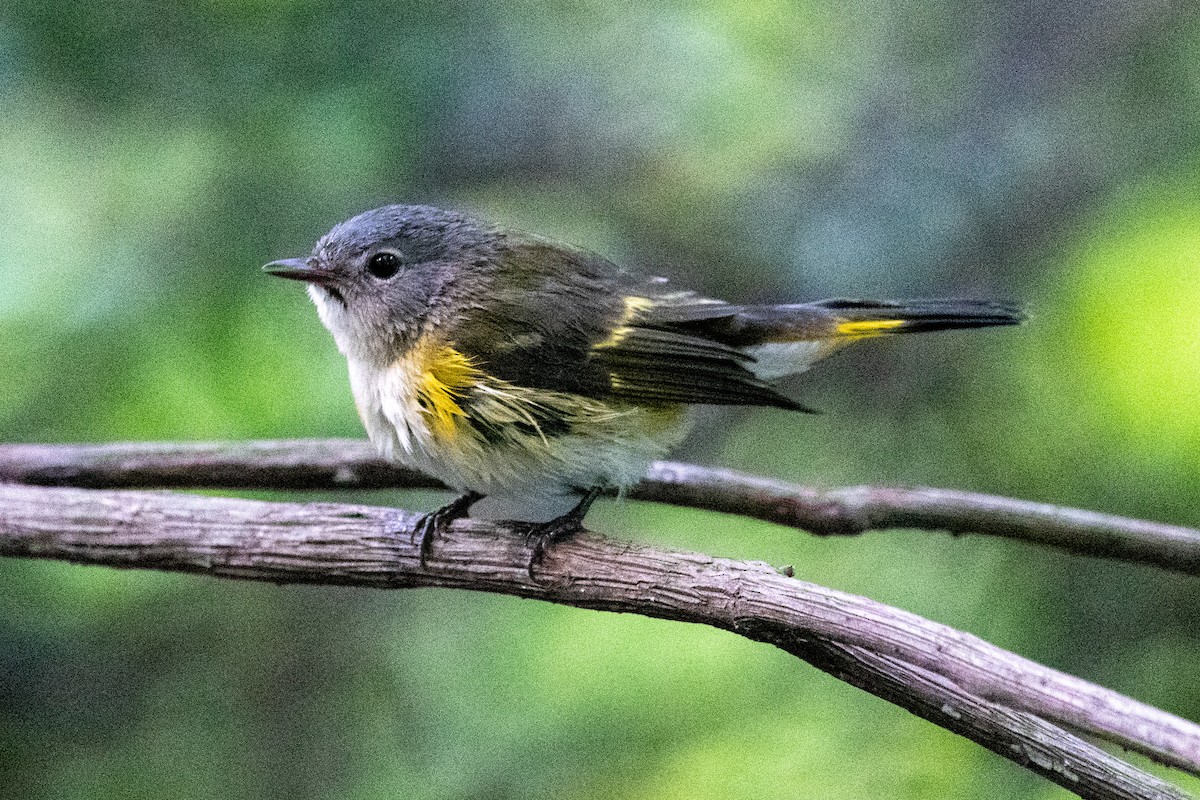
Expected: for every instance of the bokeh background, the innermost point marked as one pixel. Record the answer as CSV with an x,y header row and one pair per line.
x,y
154,155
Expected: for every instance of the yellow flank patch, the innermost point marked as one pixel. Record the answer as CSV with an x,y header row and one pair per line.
x,y
868,327
445,374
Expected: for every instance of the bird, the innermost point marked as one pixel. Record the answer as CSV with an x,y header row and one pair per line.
x,y
507,363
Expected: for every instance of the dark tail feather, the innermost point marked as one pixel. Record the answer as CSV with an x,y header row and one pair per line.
x,y
872,317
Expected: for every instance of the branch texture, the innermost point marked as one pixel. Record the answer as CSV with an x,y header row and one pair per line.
x,y
1007,703
346,464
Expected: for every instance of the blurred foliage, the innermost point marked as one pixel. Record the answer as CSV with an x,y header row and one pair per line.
x,y
153,155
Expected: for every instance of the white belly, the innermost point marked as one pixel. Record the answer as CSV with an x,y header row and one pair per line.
x,y
606,444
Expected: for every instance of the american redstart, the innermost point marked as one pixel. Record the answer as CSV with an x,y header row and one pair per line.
x,y
506,363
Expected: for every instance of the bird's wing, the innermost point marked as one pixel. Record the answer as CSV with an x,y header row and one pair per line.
x,y
570,321
653,364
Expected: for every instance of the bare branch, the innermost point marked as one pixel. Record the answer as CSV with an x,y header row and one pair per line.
x,y
857,509
996,698
343,464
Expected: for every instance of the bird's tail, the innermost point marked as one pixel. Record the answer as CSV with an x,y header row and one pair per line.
x,y
875,317
790,338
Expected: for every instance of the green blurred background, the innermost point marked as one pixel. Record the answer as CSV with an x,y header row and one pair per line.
x,y
153,156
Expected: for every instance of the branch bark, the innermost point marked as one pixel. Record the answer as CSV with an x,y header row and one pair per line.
x,y
1007,703
345,464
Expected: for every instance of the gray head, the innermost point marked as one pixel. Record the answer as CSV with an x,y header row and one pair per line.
x,y
377,277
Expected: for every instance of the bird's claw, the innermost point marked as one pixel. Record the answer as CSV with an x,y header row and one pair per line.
x,y
539,537
435,522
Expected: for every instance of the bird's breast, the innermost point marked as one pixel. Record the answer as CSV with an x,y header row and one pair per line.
x,y
414,402
437,410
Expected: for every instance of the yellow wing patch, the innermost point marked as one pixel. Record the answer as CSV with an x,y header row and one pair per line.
x,y
868,327
634,307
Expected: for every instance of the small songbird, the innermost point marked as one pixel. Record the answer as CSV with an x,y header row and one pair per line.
x,y
507,363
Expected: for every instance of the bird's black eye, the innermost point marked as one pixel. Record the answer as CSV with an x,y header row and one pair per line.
x,y
383,265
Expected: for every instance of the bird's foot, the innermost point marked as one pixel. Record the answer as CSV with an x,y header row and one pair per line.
x,y
543,534
435,522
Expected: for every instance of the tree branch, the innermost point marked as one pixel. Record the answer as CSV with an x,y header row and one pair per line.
x,y
956,680
345,464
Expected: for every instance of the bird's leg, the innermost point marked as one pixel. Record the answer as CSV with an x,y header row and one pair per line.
x,y
434,522
544,534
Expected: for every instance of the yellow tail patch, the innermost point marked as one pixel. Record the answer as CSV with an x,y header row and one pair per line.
x,y
868,327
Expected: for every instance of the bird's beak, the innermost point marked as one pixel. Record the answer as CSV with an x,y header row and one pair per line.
x,y
300,269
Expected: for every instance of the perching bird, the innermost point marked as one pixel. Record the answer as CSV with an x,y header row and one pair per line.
x,y
506,363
